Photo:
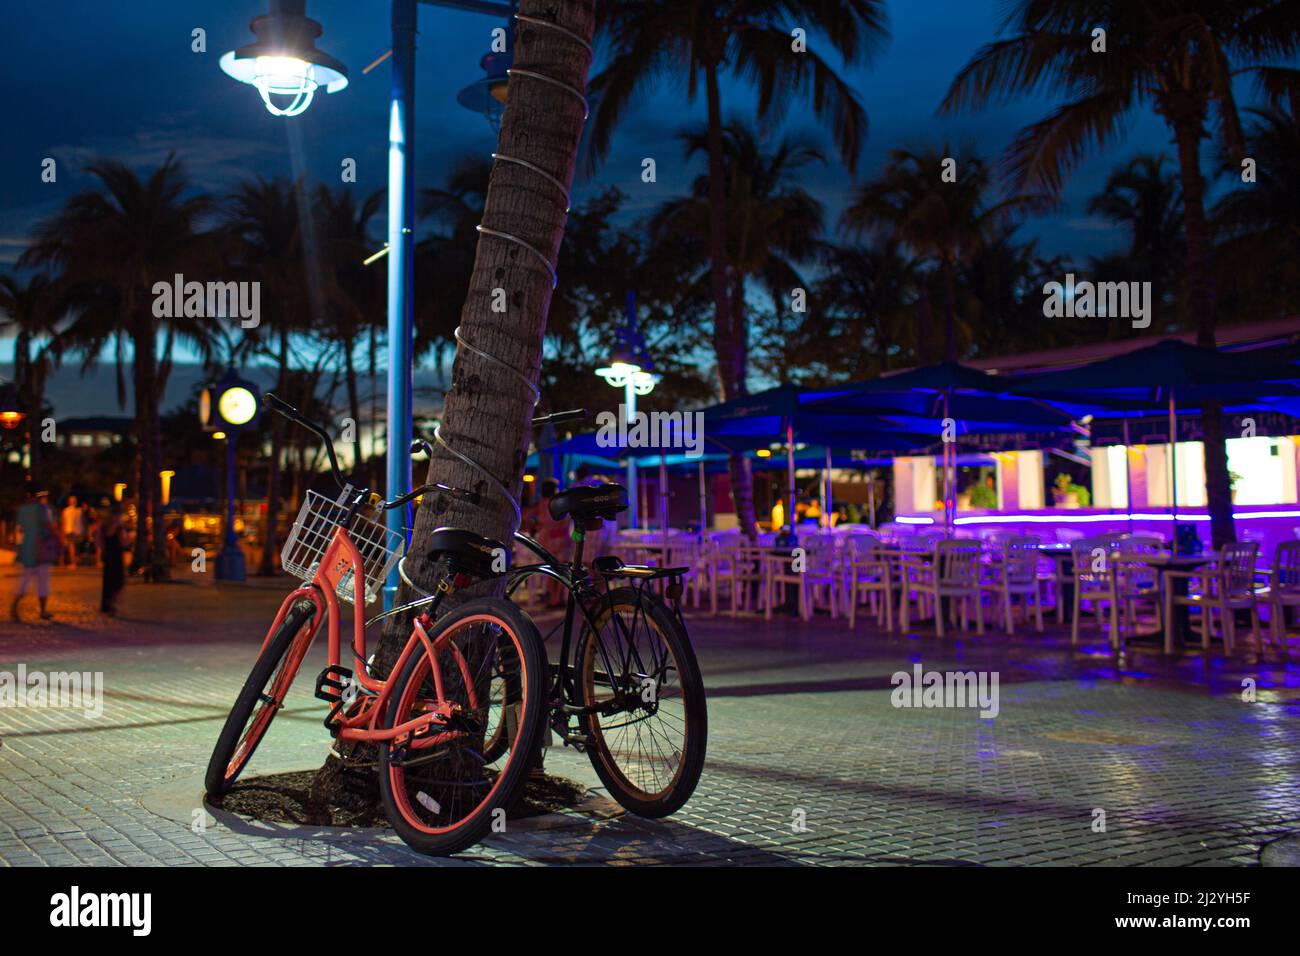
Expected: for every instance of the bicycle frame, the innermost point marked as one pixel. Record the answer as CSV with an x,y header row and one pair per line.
x,y
573,576
363,725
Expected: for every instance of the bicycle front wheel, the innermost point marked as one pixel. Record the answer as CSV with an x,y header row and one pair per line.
x,y
261,697
445,785
647,728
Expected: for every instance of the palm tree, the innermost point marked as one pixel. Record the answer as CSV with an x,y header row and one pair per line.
x,y
31,312
488,409
773,225
865,323
444,260
1177,58
943,222
264,224
703,40
1145,198
354,293
113,243
1259,222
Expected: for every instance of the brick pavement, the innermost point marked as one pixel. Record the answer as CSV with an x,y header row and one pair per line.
x,y
809,763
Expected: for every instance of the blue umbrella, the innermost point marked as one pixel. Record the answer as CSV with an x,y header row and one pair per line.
x,y
1166,374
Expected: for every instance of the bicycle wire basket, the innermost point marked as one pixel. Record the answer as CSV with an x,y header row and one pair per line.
x,y
312,532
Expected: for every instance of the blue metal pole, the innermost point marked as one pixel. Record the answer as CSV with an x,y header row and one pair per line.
x,y
401,276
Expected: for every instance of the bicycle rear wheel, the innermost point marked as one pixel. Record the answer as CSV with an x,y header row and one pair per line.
x,y
444,787
648,733
261,697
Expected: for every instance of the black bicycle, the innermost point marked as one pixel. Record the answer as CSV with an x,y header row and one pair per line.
x,y
626,689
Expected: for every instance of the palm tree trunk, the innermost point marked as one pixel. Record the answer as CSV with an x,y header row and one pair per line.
x,y
1202,297
729,348
142,345
488,410
949,312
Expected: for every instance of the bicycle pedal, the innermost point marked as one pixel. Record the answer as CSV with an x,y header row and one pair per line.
x,y
328,688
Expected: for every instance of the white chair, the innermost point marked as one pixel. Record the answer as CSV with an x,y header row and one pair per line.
x,y
1094,581
1136,580
1016,574
955,575
1228,587
1284,589
868,573
822,580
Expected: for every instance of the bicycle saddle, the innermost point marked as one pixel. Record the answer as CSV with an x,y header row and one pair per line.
x,y
469,553
583,503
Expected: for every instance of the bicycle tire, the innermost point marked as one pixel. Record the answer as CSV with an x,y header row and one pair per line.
x,y
289,643
438,831
689,759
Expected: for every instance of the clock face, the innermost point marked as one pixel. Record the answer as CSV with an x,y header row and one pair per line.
x,y
237,405
205,407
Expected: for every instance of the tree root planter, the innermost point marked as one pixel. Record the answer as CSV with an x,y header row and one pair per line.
x,y
289,798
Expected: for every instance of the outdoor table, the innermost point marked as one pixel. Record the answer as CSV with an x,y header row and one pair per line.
x,y
1181,631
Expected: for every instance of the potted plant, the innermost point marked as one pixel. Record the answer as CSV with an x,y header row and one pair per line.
x,y
1067,494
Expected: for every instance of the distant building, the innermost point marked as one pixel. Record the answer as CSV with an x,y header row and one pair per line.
x,y
93,435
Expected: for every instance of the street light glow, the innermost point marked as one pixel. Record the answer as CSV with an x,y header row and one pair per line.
x,y
283,64
237,405
618,373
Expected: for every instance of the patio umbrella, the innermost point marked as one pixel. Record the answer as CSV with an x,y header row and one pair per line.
x,y
924,399
1165,375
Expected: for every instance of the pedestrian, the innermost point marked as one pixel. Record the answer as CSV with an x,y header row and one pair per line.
x,y
73,525
40,548
90,522
112,547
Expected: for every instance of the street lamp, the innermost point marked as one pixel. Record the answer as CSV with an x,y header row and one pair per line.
x,y
289,34
225,409
283,63
625,371
11,407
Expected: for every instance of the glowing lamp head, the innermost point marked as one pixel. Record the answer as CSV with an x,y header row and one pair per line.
x,y
11,410
237,405
283,64
619,373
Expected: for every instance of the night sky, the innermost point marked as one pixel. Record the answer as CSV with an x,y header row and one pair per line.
x,y
87,78
84,78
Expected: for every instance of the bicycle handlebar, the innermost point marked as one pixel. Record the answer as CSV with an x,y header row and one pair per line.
x,y
277,404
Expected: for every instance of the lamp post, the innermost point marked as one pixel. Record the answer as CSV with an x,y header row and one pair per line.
x,y
225,409
283,62
625,371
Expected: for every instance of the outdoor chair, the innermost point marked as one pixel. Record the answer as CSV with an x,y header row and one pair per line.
x,y
822,582
1095,581
749,589
1015,573
868,573
1228,587
719,563
954,574
1138,581
1284,589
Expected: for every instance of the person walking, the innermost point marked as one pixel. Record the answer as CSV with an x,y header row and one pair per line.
x,y
72,523
40,548
112,546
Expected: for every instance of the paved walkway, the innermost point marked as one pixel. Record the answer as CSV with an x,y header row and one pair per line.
x,y
1086,762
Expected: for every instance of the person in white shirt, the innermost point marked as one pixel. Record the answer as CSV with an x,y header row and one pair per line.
x,y
73,524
